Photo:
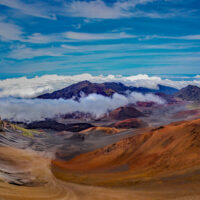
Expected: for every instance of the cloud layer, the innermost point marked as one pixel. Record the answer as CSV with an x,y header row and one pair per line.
x,y
93,9
28,110
38,9
97,9
30,88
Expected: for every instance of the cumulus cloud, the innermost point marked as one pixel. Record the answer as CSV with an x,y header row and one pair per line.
x,y
28,110
33,87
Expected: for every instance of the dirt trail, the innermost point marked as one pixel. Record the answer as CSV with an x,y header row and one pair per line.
x,y
44,184
40,184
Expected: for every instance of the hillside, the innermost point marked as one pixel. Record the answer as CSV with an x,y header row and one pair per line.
x,y
130,123
161,152
125,112
189,93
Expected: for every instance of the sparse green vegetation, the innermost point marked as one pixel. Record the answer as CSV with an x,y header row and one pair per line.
x,y
26,132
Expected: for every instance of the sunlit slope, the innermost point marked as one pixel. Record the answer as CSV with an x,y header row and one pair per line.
x,y
40,184
107,130
26,174
161,152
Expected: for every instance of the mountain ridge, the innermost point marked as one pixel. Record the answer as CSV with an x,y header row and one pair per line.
x,y
79,89
189,93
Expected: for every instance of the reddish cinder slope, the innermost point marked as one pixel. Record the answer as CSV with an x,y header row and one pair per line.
x,y
107,130
187,114
130,123
159,152
125,112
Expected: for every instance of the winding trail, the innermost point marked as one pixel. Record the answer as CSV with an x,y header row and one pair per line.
x,y
40,184
46,186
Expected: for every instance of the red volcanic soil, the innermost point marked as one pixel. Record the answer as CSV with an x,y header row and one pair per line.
x,y
159,152
187,114
125,112
130,123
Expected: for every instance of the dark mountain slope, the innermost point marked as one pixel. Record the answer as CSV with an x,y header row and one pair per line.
x,y
77,90
53,125
189,93
106,89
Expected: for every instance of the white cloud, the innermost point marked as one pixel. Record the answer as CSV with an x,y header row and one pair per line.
x,y
23,52
170,13
29,88
36,9
9,31
98,9
190,37
77,26
38,109
133,47
97,36
69,47
38,38
184,37
92,9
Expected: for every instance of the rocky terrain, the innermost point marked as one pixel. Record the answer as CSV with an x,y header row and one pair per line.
x,y
167,151
139,151
189,93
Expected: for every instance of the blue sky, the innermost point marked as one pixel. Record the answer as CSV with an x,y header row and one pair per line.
x,y
125,37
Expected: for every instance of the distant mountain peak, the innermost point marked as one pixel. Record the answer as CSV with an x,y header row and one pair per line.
x,y
189,93
83,82
105,89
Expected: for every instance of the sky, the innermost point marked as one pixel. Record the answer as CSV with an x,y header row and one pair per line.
x,y
126,37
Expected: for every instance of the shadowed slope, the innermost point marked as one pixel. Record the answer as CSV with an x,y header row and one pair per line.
x,y
106,89
189,93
